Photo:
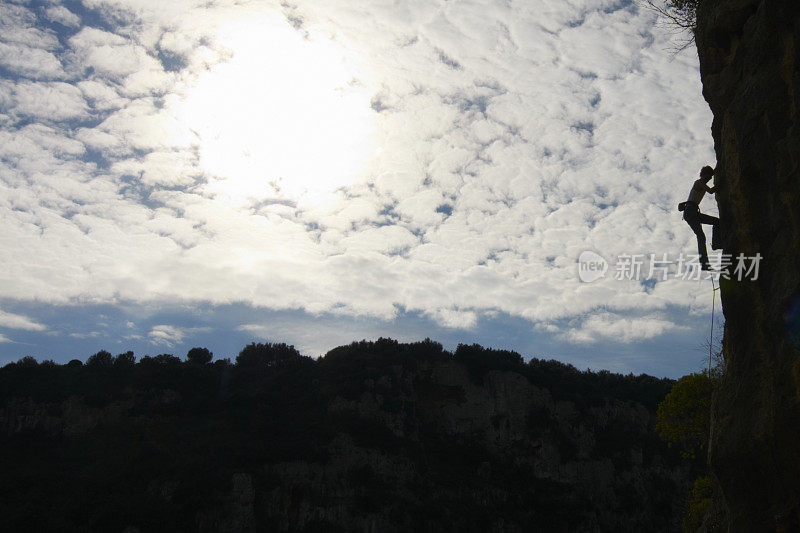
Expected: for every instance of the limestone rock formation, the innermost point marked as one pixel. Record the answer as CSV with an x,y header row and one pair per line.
x,y
749,54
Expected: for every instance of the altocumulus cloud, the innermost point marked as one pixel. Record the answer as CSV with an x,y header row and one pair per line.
x,y
509,138
604,326
171,335
14,321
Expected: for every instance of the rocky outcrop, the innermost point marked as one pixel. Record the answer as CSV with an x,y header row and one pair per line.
x,y
749,54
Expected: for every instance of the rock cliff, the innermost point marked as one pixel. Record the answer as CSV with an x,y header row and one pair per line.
x,y
749,54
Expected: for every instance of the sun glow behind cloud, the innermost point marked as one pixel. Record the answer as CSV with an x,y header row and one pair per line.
x,y
286,116
139,140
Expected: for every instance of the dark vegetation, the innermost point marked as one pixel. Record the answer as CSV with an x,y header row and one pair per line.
x,y
157,444
684,423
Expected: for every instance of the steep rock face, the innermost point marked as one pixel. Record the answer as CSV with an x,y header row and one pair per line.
x,y
749,54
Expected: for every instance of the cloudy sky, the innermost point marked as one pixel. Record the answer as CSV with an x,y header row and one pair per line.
x,y
209,173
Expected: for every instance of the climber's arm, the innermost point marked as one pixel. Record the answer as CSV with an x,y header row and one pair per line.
x,y
711,190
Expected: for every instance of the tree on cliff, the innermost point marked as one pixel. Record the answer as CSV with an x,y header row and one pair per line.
x,y
681,15
684,414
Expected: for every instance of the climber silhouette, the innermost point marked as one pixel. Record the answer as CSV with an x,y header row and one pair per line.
x,y
696,219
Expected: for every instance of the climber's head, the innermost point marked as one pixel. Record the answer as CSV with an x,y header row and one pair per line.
x,y
706,173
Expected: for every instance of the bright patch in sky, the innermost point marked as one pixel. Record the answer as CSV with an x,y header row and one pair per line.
x,y
312,172
284,116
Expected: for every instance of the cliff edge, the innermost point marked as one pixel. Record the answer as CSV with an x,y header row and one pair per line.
x,y
749,54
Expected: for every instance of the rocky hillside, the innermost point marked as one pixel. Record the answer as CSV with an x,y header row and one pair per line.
x,y
375,436
750,66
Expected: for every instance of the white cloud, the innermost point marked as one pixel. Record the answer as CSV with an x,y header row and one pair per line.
x,y
160,168
169,335
613,327
3,338
112,56
89,335
14,321
102,97
63,16
17,24
510,137
454,318
51,101
30,62
24,49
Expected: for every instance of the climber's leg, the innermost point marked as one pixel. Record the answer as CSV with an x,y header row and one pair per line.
x,y
707,219
693,217
716,237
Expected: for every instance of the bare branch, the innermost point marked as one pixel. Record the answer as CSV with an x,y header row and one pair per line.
x,y
679,15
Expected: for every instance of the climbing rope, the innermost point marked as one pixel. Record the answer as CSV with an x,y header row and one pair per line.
x,y
711,335
710,352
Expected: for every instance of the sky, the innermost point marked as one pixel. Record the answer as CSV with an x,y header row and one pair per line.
x,y
213,173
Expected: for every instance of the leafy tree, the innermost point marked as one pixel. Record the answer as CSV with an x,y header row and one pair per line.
x,y
222,363
199,356
166,359
684,414
259,356
162,360
156,463
699,503
125,359
28,361
101,359
479,360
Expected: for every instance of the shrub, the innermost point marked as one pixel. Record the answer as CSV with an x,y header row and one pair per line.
x,y
684,414
698,504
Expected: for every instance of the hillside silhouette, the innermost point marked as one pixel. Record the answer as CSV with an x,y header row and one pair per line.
x,y
374,436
